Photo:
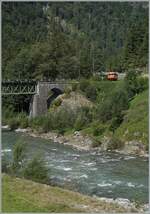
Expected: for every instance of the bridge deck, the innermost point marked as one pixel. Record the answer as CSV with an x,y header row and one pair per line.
x,y
26,86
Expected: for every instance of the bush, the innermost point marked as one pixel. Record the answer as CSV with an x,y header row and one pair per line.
x,y
99,130
84,117
13,123
5,165
23,120
37,122
36,170
67,92
7,113
113,106
115,144
135,84
115,123
91,92
79,123
74,86
57,102
96,143
18,156
84,84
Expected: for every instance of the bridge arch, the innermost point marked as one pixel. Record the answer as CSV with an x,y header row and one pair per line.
x,y
51,98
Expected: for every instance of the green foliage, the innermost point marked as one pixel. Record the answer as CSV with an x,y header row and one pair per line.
x,y
36,170
23,120
74,86
79,123
84,117
135,122
81,41
114,105
91,92
115,123
15,120
99,129
84,83
18,156
7,113
135,83
13,123
5,164
57,102
67,92
115,144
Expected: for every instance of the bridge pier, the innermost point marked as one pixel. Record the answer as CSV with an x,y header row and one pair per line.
x,y
38,106
39,103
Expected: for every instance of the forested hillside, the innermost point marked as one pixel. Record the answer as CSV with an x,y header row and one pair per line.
x,y
72,39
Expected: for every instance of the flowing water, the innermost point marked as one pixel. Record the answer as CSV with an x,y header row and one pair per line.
x,y
105,174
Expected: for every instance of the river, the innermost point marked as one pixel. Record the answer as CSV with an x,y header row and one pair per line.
x,y
105,174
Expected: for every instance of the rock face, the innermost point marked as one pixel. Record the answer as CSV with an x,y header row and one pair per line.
x,y
74,101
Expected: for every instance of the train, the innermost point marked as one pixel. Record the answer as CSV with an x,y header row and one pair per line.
x,y
112,76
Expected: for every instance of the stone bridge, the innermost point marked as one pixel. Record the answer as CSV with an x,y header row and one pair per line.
x,y
43,93
43,97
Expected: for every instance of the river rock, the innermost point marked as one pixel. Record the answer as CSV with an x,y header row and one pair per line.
x,y
77,133
6,127
123,201
21,130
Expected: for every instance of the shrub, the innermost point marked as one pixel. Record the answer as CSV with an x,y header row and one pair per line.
x,y
36,170
113,106
96,143
57,102
84,117
46,124
7,112
61,131
74,86
23,120
115,143
115,123
18,156
13,123
135,84
91,92
99,130
83,85
67,92
36,122
79,123
5,165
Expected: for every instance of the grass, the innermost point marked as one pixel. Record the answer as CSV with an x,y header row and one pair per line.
x,y
20,195
135,124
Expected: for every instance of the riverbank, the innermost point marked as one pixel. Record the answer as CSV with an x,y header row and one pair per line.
x,y
83,142
24,195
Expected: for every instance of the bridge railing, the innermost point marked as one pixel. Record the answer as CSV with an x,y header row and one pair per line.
x,y
18,87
